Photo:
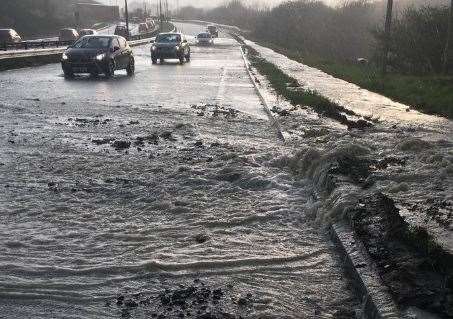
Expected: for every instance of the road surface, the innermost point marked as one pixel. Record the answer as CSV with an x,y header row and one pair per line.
x,y
167,194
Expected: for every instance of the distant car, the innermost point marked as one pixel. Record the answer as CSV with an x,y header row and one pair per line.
x,y
68,35
84,32
171,45
143,28
205,38
212,29
9,36
121,30
97,54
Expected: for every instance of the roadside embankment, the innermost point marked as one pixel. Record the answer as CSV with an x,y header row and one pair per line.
x,y
384,188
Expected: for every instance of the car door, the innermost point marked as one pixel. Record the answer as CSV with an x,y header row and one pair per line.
x,y
125,51
185,46
116,53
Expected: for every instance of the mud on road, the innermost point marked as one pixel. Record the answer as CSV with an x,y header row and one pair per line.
x,y
122,198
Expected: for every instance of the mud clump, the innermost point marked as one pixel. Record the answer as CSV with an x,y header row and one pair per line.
x,y
195,300
167,135
438,210
102,141
121,145
417,271
358,169
202,238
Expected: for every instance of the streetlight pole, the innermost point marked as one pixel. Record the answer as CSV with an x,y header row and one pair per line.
x,y
126,12
446,56
388,27
160,15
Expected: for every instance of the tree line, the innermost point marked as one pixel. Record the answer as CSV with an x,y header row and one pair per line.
x,y
345,33
37,17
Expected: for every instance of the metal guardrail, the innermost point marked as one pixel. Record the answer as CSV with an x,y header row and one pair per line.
x,y
26,45
33,44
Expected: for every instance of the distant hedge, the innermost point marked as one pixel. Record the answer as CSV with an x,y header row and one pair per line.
x,y
37,17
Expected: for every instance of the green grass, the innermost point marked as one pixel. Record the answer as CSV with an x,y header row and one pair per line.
x,y
432,94
290,89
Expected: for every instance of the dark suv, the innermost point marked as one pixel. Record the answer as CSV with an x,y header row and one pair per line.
x,y
170,46
122,31
98,54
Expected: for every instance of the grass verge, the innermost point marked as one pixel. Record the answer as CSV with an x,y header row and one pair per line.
x,y
431,94
290,89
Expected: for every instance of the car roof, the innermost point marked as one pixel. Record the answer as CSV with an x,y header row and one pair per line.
x,y
175,33
101,36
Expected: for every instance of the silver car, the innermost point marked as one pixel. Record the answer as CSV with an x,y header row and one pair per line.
x,y
9,36
68,35
205,38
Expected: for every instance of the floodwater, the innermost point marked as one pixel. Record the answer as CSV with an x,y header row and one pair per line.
x,y
412,152
134,187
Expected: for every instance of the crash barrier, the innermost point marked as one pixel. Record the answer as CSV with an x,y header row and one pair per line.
x,y
36,44
26,45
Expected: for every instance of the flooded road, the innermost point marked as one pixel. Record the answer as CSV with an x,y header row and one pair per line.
x,y
408,155
118,193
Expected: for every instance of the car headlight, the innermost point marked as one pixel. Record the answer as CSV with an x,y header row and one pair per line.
x,y
100,57
177,48
64,57
153,48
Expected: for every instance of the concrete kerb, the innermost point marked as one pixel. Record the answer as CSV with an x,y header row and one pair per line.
x,y
274,121
377,301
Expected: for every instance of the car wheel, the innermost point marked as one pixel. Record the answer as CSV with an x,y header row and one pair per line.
x,y
154,60
181,59
94,74
162,61
110,72
188,57
131,67
68,74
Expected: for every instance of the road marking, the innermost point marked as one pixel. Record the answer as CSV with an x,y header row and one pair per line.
x,y
222,88
274,121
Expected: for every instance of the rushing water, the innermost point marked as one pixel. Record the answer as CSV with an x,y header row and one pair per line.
x,y
199,196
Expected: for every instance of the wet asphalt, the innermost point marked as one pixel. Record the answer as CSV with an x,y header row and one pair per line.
x,y
121,192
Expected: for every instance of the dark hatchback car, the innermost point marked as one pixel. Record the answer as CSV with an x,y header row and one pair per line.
x,y
98,54
170,46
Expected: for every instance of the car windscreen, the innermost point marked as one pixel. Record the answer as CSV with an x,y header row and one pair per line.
x,y
92,43
168,38
5,35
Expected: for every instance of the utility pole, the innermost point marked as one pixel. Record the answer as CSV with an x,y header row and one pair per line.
x,y
126,12
160,15
387,36
446,56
